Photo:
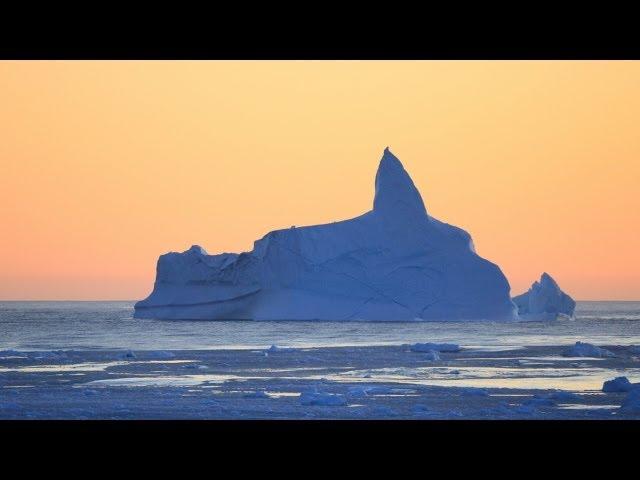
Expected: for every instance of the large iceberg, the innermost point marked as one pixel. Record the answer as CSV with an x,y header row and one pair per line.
x,y
544,301
394,262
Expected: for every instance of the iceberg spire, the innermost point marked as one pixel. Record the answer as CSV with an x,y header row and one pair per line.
x,y
395,190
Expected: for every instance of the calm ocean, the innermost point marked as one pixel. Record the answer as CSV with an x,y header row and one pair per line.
x,y
110,325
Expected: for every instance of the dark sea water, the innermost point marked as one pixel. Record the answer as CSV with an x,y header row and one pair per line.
x,y
110,325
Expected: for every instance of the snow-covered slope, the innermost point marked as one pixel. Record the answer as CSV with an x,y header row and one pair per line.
x,y
544,301
394,262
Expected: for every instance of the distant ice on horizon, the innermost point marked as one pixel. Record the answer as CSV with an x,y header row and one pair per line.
x,y
395,262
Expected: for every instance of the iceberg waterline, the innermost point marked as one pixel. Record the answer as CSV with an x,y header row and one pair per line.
x,y
395,262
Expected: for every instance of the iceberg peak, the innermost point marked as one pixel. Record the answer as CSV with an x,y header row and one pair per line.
x,y
544,300
395,190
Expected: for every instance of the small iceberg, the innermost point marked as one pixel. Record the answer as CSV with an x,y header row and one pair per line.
x,y
434,347
581,349
544,301
618,384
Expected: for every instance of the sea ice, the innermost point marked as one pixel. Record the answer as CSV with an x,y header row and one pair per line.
x,y
364,391
318,398
472,392
53,355
395,262
581,349
437,347
382,411
195,366
544,301
632,402
422,411
539,401
564,397
159,355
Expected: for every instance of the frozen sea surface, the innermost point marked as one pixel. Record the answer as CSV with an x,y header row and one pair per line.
x,y
93,360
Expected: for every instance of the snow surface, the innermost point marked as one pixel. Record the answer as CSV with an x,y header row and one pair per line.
x,y
394,262
544,301
581,349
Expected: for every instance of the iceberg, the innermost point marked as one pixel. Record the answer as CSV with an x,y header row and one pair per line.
x,y
544,301
394,262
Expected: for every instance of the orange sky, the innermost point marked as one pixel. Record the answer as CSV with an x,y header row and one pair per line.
x,y
106,165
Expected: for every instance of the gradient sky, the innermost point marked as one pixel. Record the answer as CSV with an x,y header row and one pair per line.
x,y
106,165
